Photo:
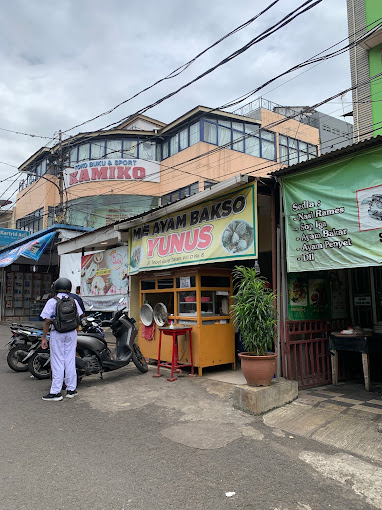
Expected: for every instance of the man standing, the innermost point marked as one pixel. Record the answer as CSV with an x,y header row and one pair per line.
x,y
62,345
78,297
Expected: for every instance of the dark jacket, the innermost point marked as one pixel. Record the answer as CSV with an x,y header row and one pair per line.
x,y
79,299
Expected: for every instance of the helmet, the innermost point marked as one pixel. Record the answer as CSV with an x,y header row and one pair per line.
x,y
62,285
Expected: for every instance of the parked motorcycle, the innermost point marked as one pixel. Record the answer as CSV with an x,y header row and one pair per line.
x,y
22,340
94,355
38,361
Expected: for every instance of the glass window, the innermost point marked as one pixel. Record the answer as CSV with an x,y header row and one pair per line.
x,y
97,149
268,150
165,284
252,146
267,135
225,123
283,140
73,156
165,149
147,150
312,150
38,169
303,156
83,152
303,146
293,156
114,149
210,133
238,139
183,139
174,148
238,126
292,143
252,128
148,284
192,281
43,167
194,133
129,148
283,155
224,136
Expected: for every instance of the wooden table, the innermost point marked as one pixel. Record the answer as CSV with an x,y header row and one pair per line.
x,y
355,343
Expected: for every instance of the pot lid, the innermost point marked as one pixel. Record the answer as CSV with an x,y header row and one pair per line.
x,y
146,314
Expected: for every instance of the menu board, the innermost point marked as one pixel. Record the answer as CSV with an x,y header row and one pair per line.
x,y
105,273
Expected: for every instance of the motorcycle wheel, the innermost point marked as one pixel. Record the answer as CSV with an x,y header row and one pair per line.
x,y
14,355
139,360
36,365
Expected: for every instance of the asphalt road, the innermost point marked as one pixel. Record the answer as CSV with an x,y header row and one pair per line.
x,y
134,441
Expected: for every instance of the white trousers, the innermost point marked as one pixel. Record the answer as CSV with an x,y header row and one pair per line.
x,y
63,360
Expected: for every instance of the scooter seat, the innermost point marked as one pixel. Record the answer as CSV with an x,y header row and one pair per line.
x,y
94,335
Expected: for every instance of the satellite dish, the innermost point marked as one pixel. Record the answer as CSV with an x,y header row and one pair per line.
x,y
160,314
146,314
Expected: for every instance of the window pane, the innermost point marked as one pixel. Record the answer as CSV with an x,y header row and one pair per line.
x,y
313,150
83,152
38,169
194,188
303,146
268,150
183,139
238,126
146,150
73,156
252,146
224,136
174,145
194,133
114,149
165,149
130,148
267,135
292,143
98,149
225,123
283,140
283,155
239,144
252,128
43,167
293,156
210,133
303,156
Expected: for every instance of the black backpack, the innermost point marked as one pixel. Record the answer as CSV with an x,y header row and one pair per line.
x,y
67,318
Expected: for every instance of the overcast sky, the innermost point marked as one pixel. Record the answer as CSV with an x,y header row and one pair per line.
x,y
66,61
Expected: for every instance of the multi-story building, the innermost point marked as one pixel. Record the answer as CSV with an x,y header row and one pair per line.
x,y
93,179
365,63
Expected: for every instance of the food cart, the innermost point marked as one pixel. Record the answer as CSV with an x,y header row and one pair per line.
x,y
197,297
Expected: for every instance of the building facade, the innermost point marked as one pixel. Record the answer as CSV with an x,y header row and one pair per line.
x,y
94,179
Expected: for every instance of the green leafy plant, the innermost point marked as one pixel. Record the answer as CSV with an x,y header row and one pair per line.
x,y
253,311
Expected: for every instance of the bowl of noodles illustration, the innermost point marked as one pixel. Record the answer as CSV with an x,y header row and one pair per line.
x,y
237,237
136,257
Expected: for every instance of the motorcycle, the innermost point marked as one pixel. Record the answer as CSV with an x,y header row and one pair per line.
x,y
24,337
94,355
38,360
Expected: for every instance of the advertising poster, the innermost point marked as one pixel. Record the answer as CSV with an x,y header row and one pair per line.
x,y
334,214
224,228
308,298
31,250
104,278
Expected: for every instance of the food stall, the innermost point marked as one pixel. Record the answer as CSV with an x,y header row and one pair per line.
x,y
197,297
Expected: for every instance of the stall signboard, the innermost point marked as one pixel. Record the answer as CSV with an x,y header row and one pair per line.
x,y
9,235
104,278
31,250
334,214
127,169
308,297
221,229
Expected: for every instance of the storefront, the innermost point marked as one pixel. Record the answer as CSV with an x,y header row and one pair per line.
x,y
180,259
333,281
28,268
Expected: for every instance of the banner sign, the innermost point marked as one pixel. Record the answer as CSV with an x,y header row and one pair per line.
x,y
31,250
105,303
224,228
105,273
333,214
9,235
112,170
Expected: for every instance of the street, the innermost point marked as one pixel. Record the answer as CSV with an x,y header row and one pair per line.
x,y
134,441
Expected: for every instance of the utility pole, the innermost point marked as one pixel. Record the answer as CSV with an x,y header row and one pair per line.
x,y
61,216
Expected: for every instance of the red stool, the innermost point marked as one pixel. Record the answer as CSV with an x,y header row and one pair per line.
x,y
175,364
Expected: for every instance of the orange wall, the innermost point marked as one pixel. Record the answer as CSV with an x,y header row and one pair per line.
x,y
39,194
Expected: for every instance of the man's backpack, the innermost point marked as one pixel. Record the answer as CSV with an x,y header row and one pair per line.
x,y
66,318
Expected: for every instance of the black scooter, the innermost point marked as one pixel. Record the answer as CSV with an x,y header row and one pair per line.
x,y
94,355
24,340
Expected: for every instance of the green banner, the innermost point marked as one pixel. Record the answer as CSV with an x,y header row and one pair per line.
x,y
333,214
221,229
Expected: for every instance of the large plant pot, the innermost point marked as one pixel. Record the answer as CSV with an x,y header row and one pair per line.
x,y
258,370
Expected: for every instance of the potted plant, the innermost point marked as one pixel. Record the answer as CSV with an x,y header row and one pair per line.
x,y
255,315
